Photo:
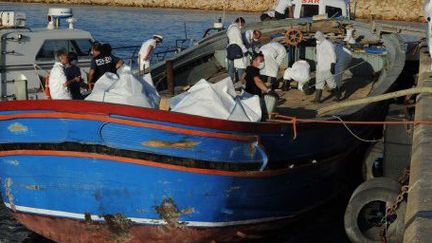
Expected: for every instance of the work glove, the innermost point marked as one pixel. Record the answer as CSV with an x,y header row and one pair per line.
x,y
273,93
333,68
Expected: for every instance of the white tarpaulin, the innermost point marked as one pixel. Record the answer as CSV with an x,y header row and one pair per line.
x,y
218,100
125,89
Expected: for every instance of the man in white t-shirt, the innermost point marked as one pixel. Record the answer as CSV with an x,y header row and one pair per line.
x,y
58,83
146,51
284,9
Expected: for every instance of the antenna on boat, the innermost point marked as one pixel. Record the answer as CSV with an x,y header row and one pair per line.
x,y
224,10
185,30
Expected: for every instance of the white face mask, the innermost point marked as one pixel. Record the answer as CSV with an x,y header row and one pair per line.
x,y
261,65
318,42
255,40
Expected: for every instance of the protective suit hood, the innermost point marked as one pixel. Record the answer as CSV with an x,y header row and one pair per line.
x,y
319,36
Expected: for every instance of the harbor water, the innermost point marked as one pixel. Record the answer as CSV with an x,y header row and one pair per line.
x,y
124,27
129,27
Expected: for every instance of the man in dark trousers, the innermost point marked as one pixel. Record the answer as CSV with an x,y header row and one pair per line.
x,y
72,71
103,61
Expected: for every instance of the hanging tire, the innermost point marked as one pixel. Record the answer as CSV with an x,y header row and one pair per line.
x,y
367,207
373,161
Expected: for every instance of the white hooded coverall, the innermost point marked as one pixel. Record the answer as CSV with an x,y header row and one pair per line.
x,y
325,55
235,37
274,55
300,72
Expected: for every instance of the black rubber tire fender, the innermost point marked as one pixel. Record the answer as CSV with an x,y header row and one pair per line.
x,y
378,189
374,152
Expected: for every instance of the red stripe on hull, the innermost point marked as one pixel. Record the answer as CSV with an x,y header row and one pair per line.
x,y
100,108
68,230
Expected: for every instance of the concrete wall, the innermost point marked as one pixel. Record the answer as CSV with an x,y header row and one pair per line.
x,y
407,10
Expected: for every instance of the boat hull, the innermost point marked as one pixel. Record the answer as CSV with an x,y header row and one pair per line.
x,y
74,195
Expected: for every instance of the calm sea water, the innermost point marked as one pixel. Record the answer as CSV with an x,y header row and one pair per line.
x,y
122,26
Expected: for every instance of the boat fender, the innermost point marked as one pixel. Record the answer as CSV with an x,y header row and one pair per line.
x,y
372,162
46,87
367,207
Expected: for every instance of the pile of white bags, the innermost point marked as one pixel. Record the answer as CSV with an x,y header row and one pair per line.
x,y
125,89
218,100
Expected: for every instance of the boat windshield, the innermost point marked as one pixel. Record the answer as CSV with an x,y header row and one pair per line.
x,y
81,47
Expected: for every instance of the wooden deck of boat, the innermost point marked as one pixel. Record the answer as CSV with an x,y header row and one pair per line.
x,y
297,103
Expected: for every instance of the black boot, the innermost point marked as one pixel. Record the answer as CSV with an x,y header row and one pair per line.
x,y
337,94
318,94
286,85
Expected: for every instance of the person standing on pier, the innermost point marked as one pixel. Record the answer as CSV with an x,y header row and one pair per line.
x,y
326,64
146,51
281,10
284,9
236,50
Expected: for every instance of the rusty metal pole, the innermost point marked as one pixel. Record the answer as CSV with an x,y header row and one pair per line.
x,y
170,76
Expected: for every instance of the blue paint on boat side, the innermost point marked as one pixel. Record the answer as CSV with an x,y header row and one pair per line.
x,y
179,145
23,112
32,130
171,124
102,187
120,136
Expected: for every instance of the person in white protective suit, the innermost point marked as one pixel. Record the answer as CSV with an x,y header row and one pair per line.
x,y
236,50
274,56
428,16
325,68
146,51
299,72
251,39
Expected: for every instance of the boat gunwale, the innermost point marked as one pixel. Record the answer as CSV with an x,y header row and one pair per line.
x,y
216,172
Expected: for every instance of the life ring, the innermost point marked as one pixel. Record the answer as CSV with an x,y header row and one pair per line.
x,y
366,208
293,37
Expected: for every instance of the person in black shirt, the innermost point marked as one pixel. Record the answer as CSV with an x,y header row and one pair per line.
x,y
103,61
72,71
254,83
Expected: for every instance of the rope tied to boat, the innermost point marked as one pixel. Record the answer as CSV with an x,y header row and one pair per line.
x,y
294,121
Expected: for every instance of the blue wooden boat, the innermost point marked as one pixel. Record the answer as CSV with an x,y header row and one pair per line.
x,y
78,171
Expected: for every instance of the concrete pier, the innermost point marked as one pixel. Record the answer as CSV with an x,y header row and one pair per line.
x,y
418,218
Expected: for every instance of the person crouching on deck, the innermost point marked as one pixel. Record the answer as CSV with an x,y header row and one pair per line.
x,y
256,86
58,82
299,72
